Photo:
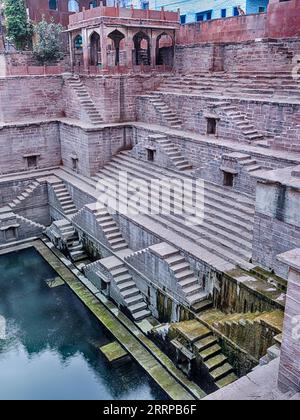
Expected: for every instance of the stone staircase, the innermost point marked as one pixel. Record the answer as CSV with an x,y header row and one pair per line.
x,y
111,230
248,132
172,152
246,329
225,230
124,290
74,245
167,115
64,198
243,160
27,193
143,57
200,340
180,269
239,84
30,222
85,100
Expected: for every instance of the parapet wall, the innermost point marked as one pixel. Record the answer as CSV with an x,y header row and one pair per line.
x,y
282,20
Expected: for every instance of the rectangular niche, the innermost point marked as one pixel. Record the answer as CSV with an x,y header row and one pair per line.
x,y
31,161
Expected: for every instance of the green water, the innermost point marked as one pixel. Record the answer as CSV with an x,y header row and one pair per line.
x,y
48,341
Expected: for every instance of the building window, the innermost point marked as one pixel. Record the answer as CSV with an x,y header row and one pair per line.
x,y
212,126
73,6
228,179
236,11
201,16
93,4
223,13
75,164
145,5
261,9
183,19
11,234
78,42
53,4
32,161
150,155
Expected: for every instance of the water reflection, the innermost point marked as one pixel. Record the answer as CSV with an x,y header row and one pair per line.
x,y
50,346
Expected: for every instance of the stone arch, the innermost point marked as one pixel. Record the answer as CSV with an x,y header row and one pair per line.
x,y
95,49
73,6
116,37
78,50
142,49
52,4
93,4
164,50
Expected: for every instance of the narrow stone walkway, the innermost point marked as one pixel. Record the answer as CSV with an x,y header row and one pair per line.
x,y
144,351
260,384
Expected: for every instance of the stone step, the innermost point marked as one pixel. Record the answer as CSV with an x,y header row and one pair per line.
x,y
114,235
202,306
175,259
138,316
131,301
146,168
196,298
188,282
215,362
176,225
119,247
114,170
122,278
119,271
226,380
126,294
205,343
191,290
126,286
182,266
210,352
116,240
137,307
221,371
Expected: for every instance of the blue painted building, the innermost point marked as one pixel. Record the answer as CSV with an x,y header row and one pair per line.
x,y
199,10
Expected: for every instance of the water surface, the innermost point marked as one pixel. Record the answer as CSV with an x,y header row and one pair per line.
x,y
49,340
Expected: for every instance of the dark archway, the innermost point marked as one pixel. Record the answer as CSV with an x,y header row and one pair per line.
x,y
116,36
164,50
52,4
78,50
95,49
142,50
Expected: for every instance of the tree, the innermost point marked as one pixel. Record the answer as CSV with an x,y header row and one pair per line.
x,y
48,44
18,26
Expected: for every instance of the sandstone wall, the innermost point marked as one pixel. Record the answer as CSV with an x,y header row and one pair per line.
x,y
17,142
30,97
276,224
94,148
207,155
278,122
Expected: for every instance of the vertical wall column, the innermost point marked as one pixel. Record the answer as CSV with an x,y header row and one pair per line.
x,y
129,49
85,49
289,371
103,44
71,46
153,50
